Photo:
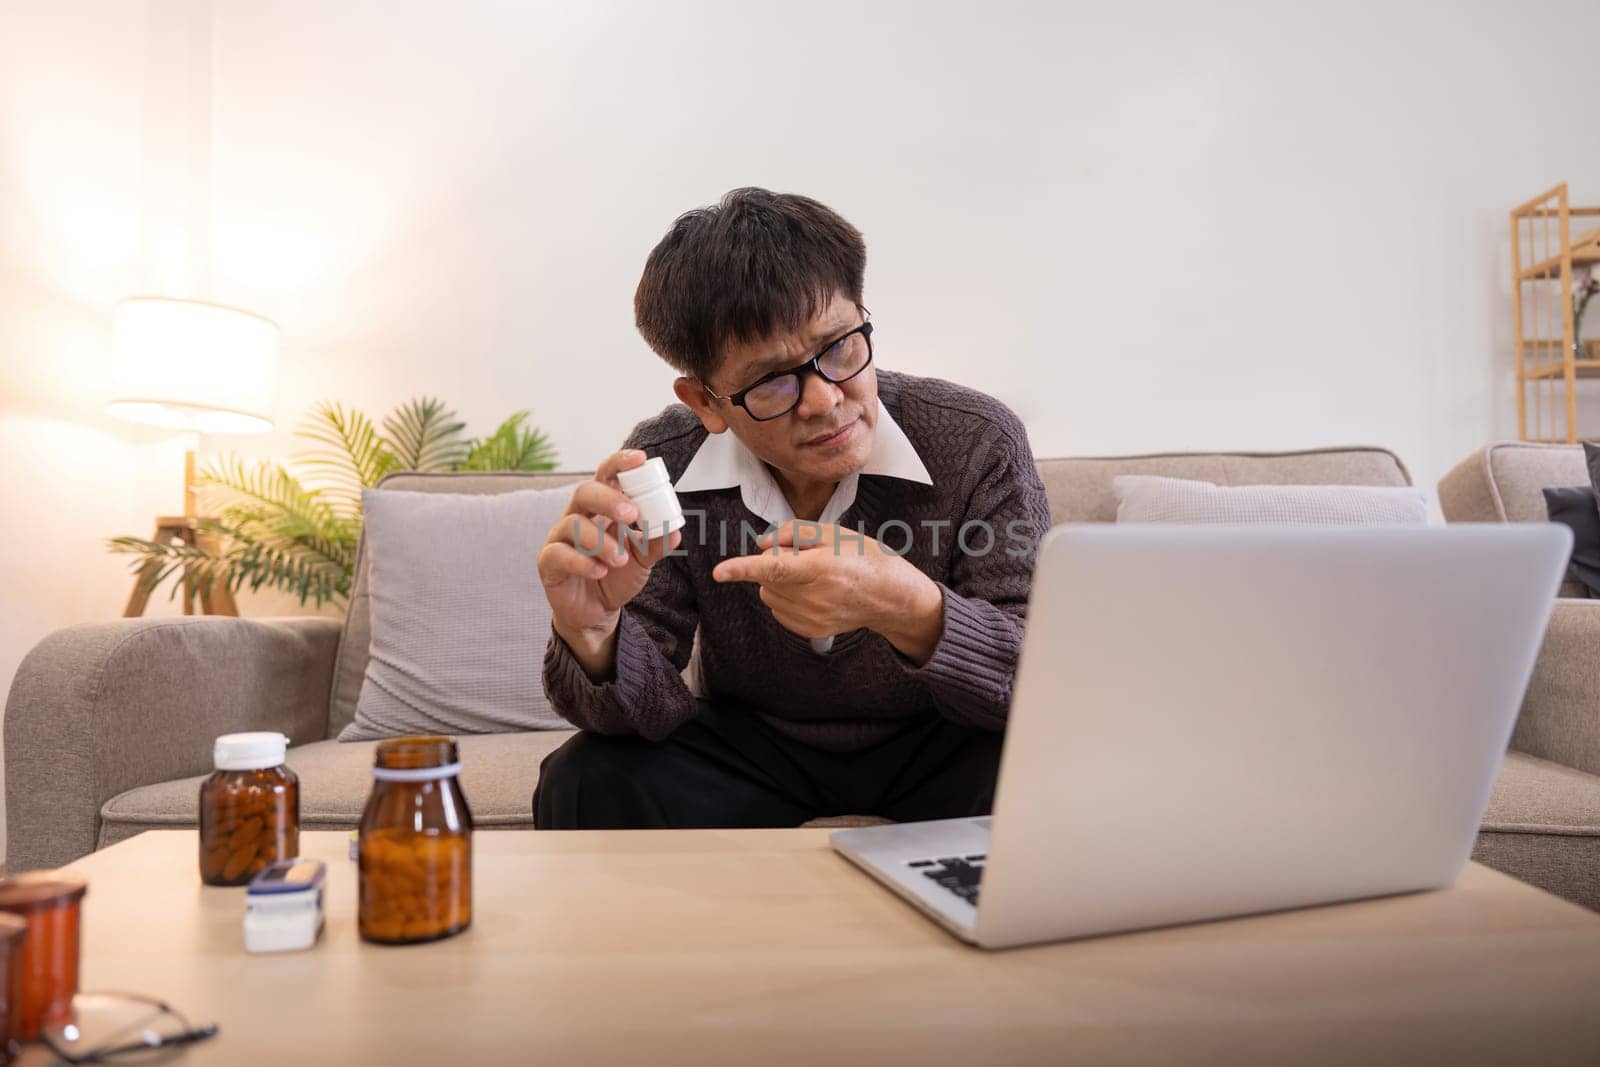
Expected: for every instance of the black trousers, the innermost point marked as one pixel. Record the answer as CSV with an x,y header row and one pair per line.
x,y
728,768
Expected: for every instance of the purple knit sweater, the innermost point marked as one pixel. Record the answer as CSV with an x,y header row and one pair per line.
x,y
976,452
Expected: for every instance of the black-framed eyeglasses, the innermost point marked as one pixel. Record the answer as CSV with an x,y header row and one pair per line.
x,y
121,1028
774,395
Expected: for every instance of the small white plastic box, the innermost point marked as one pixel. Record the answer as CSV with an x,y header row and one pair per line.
x,y
283,907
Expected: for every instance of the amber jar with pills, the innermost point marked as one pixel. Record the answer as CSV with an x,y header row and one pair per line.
x,y
47,979
249,809
415,844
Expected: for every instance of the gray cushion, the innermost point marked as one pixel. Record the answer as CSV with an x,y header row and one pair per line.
x,y
1147,498
459,618
1543,826
350,667
1080,488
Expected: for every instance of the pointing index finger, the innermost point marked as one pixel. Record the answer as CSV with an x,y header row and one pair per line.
x,y
768,568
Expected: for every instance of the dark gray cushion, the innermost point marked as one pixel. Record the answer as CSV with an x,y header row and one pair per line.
x,y
1576,507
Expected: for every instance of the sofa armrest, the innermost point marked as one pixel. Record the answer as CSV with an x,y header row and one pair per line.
x,y
100,708
1560,719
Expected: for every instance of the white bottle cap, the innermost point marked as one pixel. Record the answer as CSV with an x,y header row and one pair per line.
x,y
650,489
650,474
249,752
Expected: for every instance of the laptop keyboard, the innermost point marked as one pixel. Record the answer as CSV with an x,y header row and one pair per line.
x,y
959,874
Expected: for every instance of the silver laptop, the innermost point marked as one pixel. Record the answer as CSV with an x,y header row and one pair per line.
x,y
1211,721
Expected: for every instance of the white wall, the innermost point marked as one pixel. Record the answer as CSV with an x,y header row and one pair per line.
x,y
1145,226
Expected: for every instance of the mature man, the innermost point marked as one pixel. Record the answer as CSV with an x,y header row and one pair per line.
x,y
924,511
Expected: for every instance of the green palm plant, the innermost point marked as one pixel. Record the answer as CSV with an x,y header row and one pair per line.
x,y
300,536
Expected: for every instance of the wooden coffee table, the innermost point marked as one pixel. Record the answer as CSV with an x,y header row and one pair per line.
x,y
762,947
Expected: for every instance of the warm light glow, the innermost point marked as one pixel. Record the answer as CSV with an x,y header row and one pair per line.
x,y
187,365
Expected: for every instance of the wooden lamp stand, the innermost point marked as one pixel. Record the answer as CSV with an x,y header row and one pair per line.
x,y
184,529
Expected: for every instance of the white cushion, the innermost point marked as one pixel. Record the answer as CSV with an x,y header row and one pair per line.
x,y
459,617
1147,498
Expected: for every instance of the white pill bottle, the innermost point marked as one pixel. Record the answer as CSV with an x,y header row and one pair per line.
x,y
651,491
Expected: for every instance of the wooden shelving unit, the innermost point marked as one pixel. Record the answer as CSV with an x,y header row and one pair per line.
x,y
1541,294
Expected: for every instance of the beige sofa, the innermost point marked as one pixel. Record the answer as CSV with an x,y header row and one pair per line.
x,y
109,725
1543,823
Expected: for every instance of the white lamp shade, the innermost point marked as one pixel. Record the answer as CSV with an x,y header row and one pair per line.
x,y
193,366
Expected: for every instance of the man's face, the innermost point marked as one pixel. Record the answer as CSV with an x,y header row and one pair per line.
x,y
828,435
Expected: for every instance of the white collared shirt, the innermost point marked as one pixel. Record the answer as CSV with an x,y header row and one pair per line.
x,y
723,461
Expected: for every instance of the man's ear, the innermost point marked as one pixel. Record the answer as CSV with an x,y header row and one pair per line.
x,y
695,397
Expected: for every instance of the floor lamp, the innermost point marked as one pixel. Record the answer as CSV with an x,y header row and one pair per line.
x,y
196,368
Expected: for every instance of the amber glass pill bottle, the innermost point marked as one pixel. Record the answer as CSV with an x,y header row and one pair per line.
x,y
46,967
249,809
416,844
